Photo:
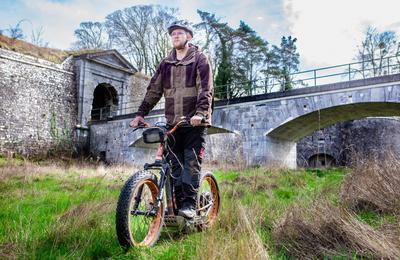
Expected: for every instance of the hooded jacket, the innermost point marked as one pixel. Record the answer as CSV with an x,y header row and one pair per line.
x,y
186,85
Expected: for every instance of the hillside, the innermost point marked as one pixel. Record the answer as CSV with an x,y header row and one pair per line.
x,y
50,54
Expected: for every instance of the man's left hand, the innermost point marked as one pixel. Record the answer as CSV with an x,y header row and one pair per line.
x,y
196,120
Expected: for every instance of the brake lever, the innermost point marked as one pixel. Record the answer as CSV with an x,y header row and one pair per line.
x,y
140,126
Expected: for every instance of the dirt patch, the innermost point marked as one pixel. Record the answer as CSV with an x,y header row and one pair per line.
x,y
8,251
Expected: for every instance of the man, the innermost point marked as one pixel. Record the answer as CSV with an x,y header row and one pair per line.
x,y
185,79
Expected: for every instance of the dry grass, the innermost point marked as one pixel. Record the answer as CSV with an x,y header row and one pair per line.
x,y
82,217
234,236
374,185
328,231
325,230
50,54
29,170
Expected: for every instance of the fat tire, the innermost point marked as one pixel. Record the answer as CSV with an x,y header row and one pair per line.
x,y
123,208
203,176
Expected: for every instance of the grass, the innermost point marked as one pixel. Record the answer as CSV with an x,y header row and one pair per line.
x,y
46,53
68,212
23,47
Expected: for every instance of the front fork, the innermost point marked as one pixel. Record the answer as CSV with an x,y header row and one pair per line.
x,y
164,180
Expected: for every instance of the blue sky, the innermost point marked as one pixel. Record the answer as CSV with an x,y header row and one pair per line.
x,y
328,31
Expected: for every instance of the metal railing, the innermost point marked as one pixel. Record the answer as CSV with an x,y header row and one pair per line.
x,y
271,84
311,78
104,112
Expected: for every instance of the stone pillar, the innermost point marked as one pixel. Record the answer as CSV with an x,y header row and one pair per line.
x,y
259,149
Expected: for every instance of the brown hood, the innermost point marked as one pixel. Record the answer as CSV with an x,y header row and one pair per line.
x,y
189,58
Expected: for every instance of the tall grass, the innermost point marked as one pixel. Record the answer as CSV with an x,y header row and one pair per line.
x,y
57,210
364,222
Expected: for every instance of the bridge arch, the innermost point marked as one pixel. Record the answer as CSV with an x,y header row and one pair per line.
x,y
294,129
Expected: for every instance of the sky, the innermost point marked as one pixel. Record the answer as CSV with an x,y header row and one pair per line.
x,y
328,31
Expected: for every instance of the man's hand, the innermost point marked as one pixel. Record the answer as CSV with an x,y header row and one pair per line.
x,y
136,121
196,120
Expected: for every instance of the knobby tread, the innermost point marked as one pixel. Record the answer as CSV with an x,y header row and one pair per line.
x,y
211,175
123,208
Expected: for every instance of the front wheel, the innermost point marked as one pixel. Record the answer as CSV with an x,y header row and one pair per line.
x,y
137,221
208,200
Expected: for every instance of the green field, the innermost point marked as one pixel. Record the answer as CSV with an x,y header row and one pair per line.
x,y
68,212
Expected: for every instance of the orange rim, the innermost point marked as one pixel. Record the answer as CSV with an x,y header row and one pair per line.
x,y
215,197
143,229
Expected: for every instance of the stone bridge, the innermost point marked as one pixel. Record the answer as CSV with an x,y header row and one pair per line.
x,y
269,125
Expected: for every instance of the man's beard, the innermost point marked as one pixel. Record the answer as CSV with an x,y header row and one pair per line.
x,y
181,46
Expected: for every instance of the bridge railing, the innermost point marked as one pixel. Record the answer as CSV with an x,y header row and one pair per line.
x,y
302,79
309,78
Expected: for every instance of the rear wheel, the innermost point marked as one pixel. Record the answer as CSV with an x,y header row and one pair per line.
x,y
208,200
137,223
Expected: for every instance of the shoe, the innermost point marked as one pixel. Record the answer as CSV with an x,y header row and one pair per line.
x,y
187,212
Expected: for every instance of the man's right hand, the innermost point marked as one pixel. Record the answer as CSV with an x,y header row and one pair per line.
x,y
136,121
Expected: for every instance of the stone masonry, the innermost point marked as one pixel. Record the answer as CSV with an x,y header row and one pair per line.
x,y
38,103
348,141
270,125
43,104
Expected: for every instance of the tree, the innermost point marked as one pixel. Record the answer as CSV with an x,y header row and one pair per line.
x,y
374,49
16,32
249,59
92,35
37,37
241,57
219,38
288,62
140,33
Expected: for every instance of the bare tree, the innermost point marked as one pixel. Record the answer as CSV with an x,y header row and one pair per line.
x,y
375,50
92,35
140,33
37,37
15,32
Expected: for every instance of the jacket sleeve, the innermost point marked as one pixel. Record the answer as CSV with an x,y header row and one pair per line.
x,y
153,94
206,89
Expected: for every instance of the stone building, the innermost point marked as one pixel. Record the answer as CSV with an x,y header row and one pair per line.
x,y
47,106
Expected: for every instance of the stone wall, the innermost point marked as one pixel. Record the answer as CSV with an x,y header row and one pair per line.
x,y
38,104
110,140
138,90
322,142
353,140
372,137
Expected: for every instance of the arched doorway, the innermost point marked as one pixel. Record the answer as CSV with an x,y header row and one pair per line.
x,y
105,102
321,160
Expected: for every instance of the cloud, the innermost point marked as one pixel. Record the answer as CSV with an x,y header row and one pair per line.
x,y
60,18
328,32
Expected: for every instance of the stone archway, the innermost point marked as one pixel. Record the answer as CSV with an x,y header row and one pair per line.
x,y
321,160
105,102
